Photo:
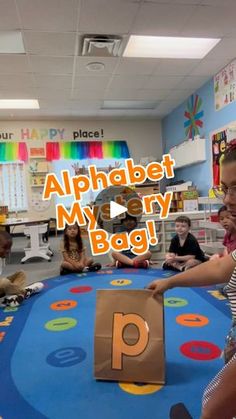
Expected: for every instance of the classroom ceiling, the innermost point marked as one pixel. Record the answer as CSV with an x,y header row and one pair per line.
x,y
53,71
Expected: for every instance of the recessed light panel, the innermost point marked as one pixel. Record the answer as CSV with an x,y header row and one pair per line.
x,y
168,47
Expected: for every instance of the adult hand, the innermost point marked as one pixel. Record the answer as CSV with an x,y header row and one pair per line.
x,y
159,286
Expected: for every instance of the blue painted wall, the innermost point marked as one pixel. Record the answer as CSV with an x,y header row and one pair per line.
x,y
173,133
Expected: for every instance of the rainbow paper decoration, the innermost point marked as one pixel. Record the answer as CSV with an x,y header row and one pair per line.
x,y
79,150
13,152
193,115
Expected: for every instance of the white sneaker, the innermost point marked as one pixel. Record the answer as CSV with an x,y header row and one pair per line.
x,y
33,289
12,301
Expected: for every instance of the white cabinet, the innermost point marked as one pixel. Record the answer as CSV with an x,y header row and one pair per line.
x,y
189,152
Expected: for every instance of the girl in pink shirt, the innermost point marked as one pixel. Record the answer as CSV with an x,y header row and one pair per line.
x,y
225,219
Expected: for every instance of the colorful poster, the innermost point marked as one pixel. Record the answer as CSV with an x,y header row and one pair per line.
x,y
225,86
219,141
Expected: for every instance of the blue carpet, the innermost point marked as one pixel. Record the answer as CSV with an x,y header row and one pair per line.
x,y
46,352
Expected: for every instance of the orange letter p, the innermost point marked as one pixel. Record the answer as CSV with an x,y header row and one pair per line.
x,y
119,346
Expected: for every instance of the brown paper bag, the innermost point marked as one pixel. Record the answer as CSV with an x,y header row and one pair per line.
x,y
129,336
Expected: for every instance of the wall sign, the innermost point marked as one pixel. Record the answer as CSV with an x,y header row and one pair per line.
x,y
51,133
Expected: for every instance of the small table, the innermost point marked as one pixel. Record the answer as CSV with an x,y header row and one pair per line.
x,y
33,224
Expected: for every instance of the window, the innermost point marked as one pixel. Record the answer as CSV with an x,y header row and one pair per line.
x,y
13,186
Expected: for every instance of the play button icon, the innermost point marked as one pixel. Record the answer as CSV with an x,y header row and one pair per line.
x,y
116,209
114,204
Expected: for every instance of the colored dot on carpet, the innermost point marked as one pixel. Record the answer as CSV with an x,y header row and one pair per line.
x,y
66,357
140,389
175,302
192,320
121,282
60,324
200,350
63,305
79,290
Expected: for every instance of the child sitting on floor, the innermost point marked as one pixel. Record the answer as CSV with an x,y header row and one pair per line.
x,y
184,252
73,252
225,219
13,289
126,258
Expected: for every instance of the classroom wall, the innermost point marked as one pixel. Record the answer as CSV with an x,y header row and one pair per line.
x,y
173,133
143,138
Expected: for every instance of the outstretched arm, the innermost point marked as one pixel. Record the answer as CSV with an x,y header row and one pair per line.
x,y
208,273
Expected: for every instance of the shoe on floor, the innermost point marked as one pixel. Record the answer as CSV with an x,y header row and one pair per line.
x,y
64,271
94,267
12,301
144,264
179,411
33,289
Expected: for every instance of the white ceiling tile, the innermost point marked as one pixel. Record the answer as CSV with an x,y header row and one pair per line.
x,y
56,93
225,49
14,64
53,81
152,94
18,92
93,82
161,19
48,15
129,82
13,81
175,67
209,67
75,105
51,65
179,95
54,44
8,15
121,94
225,3
109,65
107,16
193,82
175,1
162,82
88,94
136,66
209,21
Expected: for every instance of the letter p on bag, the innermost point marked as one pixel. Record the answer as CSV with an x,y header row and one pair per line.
x,y
119,345
129,336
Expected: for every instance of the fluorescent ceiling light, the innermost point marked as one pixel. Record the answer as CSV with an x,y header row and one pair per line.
x,y
129,104
168,47
19,104
11,42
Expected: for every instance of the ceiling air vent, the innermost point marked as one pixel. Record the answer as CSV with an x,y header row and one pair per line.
x,y
101,45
